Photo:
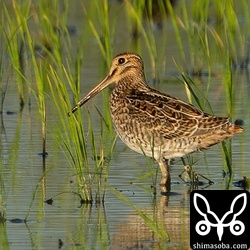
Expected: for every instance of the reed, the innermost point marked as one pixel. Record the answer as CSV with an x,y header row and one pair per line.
x,y
135,12
48,79
214,43
4,235
14,35
98,16
89,161
62,77
3,87
71,133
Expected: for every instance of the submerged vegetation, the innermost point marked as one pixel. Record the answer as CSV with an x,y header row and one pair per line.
x,y
46,46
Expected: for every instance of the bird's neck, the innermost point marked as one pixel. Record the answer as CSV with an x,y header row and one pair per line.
x,y
131,82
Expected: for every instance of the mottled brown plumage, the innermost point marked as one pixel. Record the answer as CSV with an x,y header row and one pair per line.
x,y
153,123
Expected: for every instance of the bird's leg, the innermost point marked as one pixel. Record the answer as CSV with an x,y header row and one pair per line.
x,y
164,165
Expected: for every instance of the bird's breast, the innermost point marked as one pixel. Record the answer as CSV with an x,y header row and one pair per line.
x,y
130,128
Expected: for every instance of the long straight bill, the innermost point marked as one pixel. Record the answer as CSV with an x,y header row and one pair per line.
x,y
102,85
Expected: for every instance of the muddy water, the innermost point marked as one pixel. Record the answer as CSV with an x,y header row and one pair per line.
x,y
115,224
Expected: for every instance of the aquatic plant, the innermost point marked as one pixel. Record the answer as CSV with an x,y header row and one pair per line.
x,y
15,35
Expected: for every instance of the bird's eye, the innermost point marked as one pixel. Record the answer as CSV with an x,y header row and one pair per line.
x,y
121,60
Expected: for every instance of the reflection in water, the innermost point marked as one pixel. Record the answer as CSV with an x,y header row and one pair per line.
x,y
167,228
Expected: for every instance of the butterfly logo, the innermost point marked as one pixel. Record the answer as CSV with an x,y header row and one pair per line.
x,y
203,227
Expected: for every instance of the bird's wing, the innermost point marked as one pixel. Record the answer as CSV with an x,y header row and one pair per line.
x,y
170,117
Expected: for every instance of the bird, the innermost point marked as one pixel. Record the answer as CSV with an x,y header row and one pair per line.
x,y
156,124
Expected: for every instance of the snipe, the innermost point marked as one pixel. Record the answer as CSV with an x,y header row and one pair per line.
x,y
153,123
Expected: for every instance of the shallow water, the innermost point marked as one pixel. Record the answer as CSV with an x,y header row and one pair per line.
x,y
115,224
